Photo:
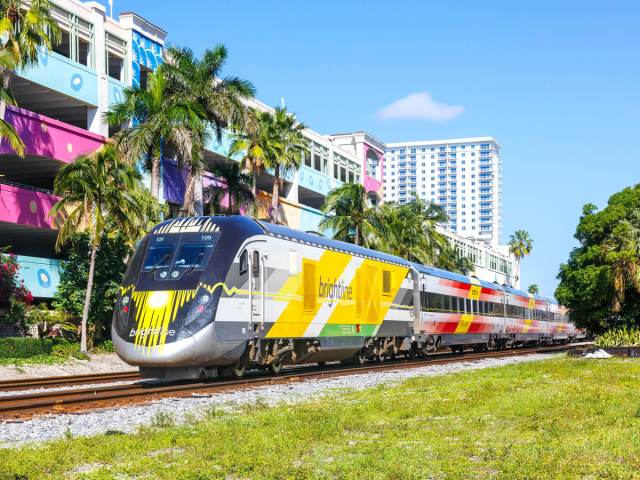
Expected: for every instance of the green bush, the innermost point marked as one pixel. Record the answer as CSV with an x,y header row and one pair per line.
x,y
65,349
106,346
619,337
24,347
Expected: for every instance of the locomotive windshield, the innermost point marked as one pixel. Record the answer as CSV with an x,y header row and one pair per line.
x,y
158,256
192,255
187,251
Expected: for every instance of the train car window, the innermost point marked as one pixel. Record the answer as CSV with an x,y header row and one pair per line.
x,y
255,264
192,255
449,304
244,262
158,256
309,285
386,282
436,301
467,302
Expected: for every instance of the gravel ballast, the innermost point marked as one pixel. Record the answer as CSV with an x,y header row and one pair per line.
x,y
128,419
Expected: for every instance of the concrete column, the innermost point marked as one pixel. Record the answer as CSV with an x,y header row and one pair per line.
x,y
95,121
293,191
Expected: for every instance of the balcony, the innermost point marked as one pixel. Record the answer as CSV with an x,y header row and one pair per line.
x,y
26,205
47,138
25,225
61,74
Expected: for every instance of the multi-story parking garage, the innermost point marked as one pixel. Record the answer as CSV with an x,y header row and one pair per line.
x,y
61,102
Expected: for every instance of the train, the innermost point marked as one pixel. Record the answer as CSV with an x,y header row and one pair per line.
x,y
208,296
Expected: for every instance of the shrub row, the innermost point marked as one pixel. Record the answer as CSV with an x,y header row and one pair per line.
x,y
619,337
24,347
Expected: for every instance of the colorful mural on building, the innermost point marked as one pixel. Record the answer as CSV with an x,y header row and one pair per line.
x,y
146,54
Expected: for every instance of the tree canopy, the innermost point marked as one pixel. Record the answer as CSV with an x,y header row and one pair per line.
x,y
600,282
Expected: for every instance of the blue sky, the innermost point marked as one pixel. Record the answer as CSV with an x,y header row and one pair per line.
x,y
557,83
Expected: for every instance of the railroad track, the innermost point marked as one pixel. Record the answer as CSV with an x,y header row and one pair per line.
x,y
66,381
82,399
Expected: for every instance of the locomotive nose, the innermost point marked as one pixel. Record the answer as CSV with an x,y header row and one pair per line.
x,y
180,352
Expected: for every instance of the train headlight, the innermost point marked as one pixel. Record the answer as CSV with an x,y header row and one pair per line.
x,y
158,299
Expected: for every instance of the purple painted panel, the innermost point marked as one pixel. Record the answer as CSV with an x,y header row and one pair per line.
x,y
26,207
175,180
49,138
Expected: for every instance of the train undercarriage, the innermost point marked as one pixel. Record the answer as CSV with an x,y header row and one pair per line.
x,y
273,354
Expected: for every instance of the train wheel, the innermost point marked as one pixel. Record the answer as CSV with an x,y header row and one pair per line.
x,y
275,367
359,358
236,371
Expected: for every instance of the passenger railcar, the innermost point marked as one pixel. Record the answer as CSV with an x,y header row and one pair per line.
x,y
205,293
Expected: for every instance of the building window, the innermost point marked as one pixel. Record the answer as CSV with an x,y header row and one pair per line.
x,y
116,54
76,37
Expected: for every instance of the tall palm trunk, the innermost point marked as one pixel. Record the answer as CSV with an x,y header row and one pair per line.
x,y
357,238
155,178
187,202
198,204
87,299
275,196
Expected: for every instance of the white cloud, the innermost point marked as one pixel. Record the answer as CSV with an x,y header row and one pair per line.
x,y
420,106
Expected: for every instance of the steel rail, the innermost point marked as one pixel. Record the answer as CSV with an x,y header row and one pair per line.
x,y
67,380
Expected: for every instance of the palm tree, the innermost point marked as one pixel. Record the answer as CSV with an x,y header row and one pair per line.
x,y
254,144
237,186
287,156
7,131
348,215
24,29
450,258
409,231
96,189
159,119
221,100
533,289
622,251
520,245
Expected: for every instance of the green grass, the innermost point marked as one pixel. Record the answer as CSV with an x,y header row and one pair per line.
x,y
61,353
560,418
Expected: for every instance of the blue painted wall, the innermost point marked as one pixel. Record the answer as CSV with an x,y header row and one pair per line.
x,y
64,75
146,53
40,275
